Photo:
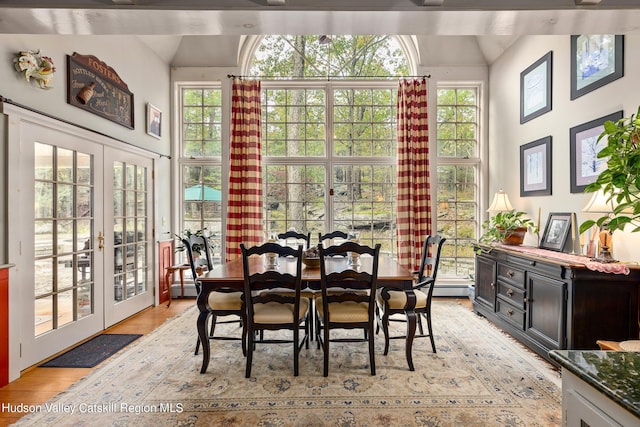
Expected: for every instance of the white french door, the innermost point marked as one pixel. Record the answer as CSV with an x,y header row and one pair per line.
x,y
86,251
128,276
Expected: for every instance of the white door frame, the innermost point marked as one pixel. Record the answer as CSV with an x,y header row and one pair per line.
x,y
22,125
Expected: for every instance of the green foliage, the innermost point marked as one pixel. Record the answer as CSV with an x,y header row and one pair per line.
x,y
621,179
188,234
498,226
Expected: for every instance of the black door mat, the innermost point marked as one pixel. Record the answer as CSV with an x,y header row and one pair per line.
x,y
92,352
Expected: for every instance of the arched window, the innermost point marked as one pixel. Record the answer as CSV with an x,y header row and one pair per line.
x,y
329,133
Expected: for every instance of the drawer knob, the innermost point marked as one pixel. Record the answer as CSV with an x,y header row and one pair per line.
x,y
510,312
510,273
510,292
527,300
493,285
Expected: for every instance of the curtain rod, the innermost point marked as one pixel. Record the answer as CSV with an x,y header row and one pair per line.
x,y
233,76
33,110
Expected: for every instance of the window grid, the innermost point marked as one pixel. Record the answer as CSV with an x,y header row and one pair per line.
x,y
457,176
361,134
201,164
201,122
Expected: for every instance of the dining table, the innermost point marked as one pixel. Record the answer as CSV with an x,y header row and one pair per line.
x,y
230,276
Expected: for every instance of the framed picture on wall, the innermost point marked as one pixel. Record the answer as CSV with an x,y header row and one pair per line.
x,y
535,88
154,121
585,166
596,60
535,168
556,231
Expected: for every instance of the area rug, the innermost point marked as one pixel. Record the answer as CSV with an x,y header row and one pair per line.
x,y
92,352
478,377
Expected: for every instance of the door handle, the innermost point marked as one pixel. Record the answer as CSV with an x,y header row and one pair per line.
x,y
100,240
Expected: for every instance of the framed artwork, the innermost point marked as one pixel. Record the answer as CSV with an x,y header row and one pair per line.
x,y
154,121
556,231
535,168
535,88
583,151
595,61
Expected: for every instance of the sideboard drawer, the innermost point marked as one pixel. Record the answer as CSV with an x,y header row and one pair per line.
x,y
510,313
513,294
511,274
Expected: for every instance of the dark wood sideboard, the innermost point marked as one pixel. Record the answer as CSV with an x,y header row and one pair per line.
x,y
552,304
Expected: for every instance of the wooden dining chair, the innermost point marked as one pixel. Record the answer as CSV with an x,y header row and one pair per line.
x,y
223,302
331,236
354,306
293,238
393,302
272,310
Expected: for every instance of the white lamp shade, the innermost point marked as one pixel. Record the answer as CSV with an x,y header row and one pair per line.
x,y
500,203
599,203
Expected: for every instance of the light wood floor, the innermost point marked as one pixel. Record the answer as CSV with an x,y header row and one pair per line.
x,y
37,385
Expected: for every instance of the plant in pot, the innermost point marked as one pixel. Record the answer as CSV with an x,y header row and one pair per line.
x,y
620,181
508,227
195,238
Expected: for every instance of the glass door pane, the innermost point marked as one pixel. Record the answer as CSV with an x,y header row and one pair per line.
x,y
129,240
63,224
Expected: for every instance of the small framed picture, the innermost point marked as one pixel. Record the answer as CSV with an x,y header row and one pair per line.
x,y
556,231
535,88
535,168
596,60
154,121
583,151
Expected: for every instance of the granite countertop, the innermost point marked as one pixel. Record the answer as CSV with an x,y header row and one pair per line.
x,y
616,374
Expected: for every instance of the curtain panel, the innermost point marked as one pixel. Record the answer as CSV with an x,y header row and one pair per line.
x,y
414,196
244,208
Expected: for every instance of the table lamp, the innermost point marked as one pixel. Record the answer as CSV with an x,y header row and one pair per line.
x,y
500,203
601,203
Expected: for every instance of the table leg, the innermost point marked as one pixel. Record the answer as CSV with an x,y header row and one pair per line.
x,y
181,283
168,278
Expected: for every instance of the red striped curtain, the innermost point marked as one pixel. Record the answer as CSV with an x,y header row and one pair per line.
x,y
244,208
414,197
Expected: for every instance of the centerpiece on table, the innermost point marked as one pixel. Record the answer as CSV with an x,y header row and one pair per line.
x,y
311,257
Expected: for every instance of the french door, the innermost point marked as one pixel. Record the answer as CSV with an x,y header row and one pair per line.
x,y
86,243
129,223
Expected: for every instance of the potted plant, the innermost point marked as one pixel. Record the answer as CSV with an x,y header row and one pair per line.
x,y
620,181
507,227
195,238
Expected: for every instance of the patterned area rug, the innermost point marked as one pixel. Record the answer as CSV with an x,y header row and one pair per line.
x,y
479,377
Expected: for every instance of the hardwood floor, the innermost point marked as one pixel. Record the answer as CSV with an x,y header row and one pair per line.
x,y
37,385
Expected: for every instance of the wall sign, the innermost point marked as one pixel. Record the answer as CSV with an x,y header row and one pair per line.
x,y
95,87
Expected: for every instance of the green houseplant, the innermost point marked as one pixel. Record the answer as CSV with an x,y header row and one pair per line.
x,y
507,227
620,181
196,247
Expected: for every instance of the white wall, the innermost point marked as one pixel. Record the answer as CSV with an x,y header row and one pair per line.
x,y
146,75
506,134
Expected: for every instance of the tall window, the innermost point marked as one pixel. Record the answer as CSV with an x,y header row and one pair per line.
x,y
329,147
458,167
200,162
